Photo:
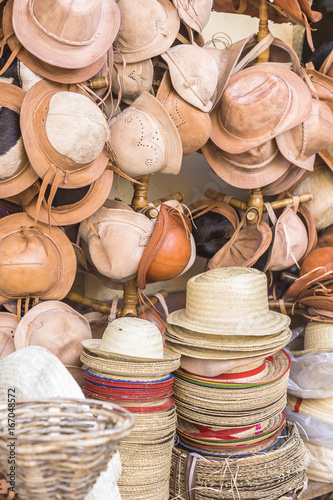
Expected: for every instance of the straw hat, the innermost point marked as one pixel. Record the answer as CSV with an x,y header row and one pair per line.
x,y
278,89
85,201
229,301
195,13
319,408
55,326
68,34
318,337
144,139
146,30
257,167
194,126
16,173
54,73
300,144
131,79
35,261
7,329
116,239
321,462
64,134
132,339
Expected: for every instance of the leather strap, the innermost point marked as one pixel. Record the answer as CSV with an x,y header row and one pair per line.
x,y
190,476
258,49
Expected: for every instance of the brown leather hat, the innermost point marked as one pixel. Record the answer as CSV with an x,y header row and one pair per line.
x,y
35,261
169,248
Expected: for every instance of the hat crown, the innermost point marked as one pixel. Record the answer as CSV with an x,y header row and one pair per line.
x,y
318,335
195,13
133,337
71,20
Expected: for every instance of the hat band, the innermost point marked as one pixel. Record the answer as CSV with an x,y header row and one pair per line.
x,y
245,165
56,37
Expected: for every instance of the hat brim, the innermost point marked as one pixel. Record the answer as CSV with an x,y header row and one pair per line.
x,y
67,262
244,178
299,110
79,211
289,150
54,73
293,175
60,54
40,161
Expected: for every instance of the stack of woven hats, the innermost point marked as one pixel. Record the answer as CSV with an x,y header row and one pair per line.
x,y
310,396
231,388
130,367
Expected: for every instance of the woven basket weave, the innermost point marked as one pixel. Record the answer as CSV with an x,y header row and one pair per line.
x,y
62,445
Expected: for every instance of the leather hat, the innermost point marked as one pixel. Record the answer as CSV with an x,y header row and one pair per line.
x,y
8,324
193,73
16,173
115,240
319,257
250,93
129,80
35,261
42,68
194,126
255,168
322,86
66,33
57,327
285,182
169,248
147,29
15,72
194,13
144,139
327,67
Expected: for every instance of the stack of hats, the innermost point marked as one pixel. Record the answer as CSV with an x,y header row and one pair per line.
x,y
129,366
310,396
238,410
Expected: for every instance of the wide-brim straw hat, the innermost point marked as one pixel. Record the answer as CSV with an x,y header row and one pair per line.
x,y
278,88
53,73
318,337
321,408
258,167
92,28
8,324
62,251
65,215
11,97
41,153
229,301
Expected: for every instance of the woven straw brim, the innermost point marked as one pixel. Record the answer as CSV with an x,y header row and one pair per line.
x,y
319,408
264,476
131,378
12,97
53,73
321,462
183,336
57,53
91,346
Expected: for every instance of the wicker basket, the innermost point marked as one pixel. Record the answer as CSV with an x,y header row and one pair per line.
x,y
61,445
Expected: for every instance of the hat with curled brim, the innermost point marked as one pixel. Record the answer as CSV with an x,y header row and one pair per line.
x,y
68,33
16,173
276,96
229,301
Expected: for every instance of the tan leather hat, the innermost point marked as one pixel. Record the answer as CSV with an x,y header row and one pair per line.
x,y
194,126
147,28
35,261
8,324
16,173
193,73
129,80
42,68
66,33
285,182
301,143
255,168
194,13
144,139
55,326
251,93
115,240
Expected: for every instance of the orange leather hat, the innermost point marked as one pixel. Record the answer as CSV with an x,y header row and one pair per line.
x,y
168,250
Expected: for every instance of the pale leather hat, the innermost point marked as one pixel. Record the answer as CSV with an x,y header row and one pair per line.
x,y
193,73
259,103
148,28
194,126
129,80
57,327
66,33
144,139
116,239
8,324
194,13
301,143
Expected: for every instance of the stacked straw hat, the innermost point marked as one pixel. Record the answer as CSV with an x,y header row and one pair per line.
x,y
130,366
